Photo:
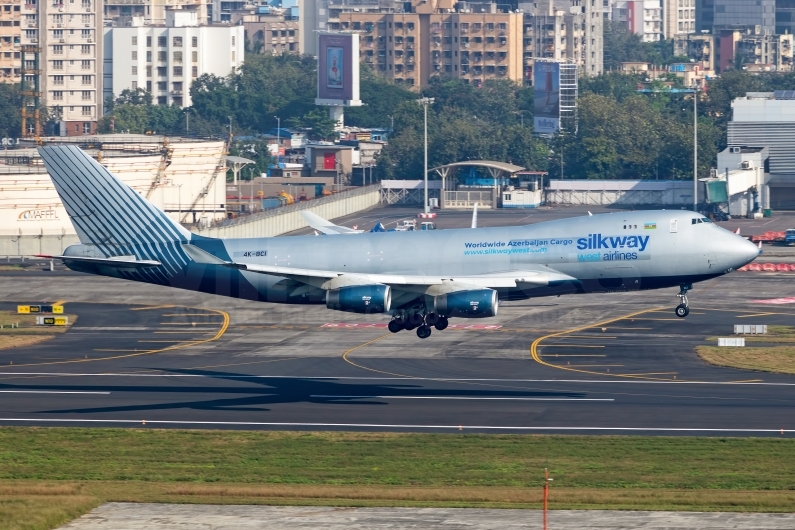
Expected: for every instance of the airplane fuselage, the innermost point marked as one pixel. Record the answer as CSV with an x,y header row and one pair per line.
x,y
621,251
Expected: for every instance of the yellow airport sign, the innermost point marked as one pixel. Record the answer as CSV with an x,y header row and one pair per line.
x,y
52,321
28,309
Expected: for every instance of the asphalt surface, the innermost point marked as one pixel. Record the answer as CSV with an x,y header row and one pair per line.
x,y
122,365
594,364
176,516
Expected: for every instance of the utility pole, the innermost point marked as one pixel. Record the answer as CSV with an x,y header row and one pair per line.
x,y
278,138
695,146
187,122
425,102
230,130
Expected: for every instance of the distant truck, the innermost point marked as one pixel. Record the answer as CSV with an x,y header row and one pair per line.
x,y
410,225
789,236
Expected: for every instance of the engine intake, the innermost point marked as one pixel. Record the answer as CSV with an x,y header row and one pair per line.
x,y
480,303
375,298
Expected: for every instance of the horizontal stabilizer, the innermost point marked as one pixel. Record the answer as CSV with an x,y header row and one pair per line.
x,y
121,262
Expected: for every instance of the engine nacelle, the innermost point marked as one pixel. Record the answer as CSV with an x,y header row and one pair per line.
x,y
376,298
480,303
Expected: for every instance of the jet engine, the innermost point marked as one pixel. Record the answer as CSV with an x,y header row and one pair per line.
x,y
376,298
480,303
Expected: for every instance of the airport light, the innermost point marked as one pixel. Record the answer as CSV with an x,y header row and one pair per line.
x,y
547,480
425,102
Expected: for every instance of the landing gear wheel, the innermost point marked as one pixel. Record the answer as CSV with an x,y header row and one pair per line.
x,y
424,332
441,324
414,320
683,309
408,326
395,325
431,319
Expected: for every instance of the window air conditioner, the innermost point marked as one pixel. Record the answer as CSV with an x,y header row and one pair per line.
x,y
746,165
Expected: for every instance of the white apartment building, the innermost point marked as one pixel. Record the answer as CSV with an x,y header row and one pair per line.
x,y
165,60
65,35
679,17
643,17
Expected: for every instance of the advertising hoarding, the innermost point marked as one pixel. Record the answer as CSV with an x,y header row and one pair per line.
x,y
338,69
546,92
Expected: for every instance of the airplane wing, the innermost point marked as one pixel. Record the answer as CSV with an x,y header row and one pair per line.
x,y
326,227
329,279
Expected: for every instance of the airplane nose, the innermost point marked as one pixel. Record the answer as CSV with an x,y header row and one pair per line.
x,y
742,252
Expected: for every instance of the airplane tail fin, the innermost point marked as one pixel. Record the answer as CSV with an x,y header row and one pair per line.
x,y
105,211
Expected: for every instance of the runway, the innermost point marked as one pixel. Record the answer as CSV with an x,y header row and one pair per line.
x,y
168,366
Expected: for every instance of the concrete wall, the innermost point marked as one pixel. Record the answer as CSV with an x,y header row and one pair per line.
x,y
628,192
282,220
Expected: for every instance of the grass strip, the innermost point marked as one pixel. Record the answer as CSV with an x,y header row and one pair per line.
x,y
61,472
776,359
28,332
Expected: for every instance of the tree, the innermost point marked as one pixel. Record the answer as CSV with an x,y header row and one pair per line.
x,y
10,110
317,122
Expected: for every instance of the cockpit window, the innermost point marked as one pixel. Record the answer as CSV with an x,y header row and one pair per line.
x,y
701,220
706,219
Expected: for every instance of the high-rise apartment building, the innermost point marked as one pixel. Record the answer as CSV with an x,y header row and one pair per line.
x,y
679,17
121,12
643,17
271,29
10,29
62,49
164,60
716,15
411,43
433,40
588,36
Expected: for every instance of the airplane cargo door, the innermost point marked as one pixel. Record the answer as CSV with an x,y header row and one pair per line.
x,y
620,276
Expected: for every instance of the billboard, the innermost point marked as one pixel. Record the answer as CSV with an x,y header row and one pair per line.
x,y
338,69
546,92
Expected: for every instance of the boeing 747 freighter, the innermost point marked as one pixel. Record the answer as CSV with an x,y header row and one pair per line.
x,y
422,279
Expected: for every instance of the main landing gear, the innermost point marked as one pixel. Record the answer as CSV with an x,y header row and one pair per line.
x,y
420,320
683,309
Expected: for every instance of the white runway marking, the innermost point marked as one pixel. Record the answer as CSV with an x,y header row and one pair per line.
x,y
49,392
439,379
398,426
463,398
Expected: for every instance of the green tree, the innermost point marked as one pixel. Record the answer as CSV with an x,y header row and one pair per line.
x,y
10,110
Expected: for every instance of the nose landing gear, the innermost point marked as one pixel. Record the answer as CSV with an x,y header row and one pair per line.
x,y
683,309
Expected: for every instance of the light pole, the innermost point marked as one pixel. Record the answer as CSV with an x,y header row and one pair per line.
x,y
425,102
694,91
278,138
695,146
230,129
